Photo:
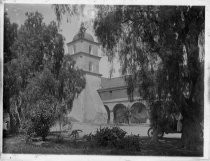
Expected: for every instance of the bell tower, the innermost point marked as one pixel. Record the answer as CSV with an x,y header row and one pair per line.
x,y
84,51
88,106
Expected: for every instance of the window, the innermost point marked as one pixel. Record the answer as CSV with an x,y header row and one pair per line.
x,y
91,67
90,49
74,49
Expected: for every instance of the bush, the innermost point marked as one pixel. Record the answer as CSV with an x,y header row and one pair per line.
x,y
115,138
108,136
41,120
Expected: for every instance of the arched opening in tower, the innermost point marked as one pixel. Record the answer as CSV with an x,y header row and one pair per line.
x,y
139,113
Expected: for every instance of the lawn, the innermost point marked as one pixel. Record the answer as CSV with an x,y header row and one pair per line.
x,y
166,147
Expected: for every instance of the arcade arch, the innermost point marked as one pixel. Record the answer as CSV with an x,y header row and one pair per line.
x,y
119,113
139,113
108,113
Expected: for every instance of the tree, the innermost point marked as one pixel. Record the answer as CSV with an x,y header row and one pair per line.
x,y
42,119
40,103
159,45
15,74
37,45
10,87
40,43
42,77
71,82
10,34
48,99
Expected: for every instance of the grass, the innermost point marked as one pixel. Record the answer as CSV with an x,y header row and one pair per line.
x,y
166,147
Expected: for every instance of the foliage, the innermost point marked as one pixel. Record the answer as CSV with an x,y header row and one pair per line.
x,y
42,118
40,103
40,44
43,90
163,114
34,40
38,74
71,81
42,86
130,86
10,34
159,46
108,136
114,138
11,79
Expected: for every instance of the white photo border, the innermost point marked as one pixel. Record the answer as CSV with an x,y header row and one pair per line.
x,y
206,3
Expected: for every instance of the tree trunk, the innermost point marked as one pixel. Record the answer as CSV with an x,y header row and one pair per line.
x,y
18,123
14,122
191,127
14,116
190,134
193,114
154,138
12,127
60,126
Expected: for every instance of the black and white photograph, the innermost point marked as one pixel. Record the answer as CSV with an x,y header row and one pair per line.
x,y
104,79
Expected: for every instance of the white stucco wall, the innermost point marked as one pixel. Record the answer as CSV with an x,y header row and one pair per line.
x,y
83,61
88,107
83,46
79,61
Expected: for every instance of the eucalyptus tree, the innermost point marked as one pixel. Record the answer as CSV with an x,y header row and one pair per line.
x,y
39,43
10,34
159,46
31,46
37,75
10,86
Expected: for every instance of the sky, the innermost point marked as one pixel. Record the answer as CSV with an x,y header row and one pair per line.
x,y
16,13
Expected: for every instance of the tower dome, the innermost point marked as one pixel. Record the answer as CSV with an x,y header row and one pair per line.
x,y
86,37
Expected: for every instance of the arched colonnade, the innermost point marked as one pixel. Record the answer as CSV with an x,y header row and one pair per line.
x,y
126,112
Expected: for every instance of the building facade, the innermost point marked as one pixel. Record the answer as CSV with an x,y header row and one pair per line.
x,y
103,100
120,109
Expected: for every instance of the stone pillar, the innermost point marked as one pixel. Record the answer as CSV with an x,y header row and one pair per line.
x,y
129,113
111,117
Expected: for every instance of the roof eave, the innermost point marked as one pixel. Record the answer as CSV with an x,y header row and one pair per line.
x,y
83,53
93,42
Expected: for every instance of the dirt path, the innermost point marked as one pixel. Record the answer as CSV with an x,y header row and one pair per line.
x,y
140,130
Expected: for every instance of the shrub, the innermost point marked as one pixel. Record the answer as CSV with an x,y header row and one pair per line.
x,y
114,137
41,119
108,136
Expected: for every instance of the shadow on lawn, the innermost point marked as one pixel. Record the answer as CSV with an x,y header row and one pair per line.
x,y
165,147
169,147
